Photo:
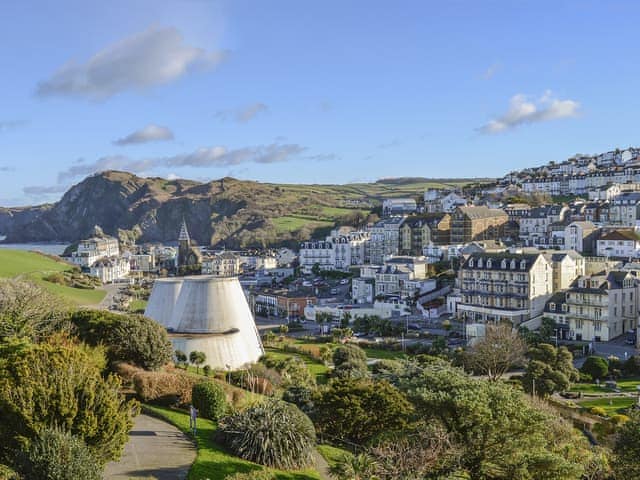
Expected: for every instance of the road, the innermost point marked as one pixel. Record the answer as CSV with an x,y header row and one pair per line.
x,y
155,450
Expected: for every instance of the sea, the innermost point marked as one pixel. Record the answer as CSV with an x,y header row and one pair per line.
x,y
48,248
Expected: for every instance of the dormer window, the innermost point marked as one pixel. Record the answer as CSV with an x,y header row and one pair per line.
x,y
513,265
471,263
552,307
523,265
489,263
480,263
503,265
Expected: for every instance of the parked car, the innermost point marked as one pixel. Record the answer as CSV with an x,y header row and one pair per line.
x,y
334,291
344,281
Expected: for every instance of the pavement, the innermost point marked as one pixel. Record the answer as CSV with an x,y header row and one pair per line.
x,y
155,450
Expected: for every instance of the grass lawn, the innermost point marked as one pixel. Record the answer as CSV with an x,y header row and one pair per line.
x,y
624,385
138,306
317,369
35,266
332,454
212,461
293,223
618,404
381,354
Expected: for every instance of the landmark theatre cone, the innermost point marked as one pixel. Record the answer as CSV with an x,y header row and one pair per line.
x,y
207,314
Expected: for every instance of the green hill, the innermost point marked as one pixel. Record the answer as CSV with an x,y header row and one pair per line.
x,y
35,266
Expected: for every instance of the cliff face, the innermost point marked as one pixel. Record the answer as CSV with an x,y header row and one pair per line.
x,y
222,212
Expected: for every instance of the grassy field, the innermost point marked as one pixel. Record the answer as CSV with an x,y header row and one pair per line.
x,y
293,223
212,461
624,385
35,266
138,306
611,405
317,369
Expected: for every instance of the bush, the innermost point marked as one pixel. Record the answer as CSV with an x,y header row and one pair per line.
x,y
632,366
348,353
619,419
261,475
301,397
130,338
601,412
58,455
351,369
7,473
273,433
47,385
164,388
209,399
597,367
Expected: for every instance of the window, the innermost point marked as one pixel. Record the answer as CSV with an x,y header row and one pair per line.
x,y
523,265
552,306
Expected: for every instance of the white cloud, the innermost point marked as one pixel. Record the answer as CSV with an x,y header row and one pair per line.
x,y
150,133
524,111
490,72
154,57
243,114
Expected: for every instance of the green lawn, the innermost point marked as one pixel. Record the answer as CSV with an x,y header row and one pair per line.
x,y
381,354
611,405
212,461
35,266
332,454
624,385
292,223
317,369
138,305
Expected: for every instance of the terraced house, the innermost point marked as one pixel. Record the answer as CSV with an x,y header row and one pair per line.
x,y
599,307
477,223
504,287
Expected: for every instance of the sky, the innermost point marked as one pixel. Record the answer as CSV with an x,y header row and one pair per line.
x,y
309,92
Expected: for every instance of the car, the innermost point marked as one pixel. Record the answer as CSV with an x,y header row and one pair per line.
x,y
307,283
344,281
334,291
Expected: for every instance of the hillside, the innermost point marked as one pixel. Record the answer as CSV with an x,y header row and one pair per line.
x,y
230,212
35,266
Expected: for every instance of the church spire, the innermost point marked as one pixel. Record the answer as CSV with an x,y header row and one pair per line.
x,y
184,233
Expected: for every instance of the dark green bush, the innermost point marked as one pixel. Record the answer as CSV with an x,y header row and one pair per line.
x,y
209,399
597,367
348,353
273,433
58,455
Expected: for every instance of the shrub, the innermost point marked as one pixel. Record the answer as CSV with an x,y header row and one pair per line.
x,y
130,338
619,419
632,366
348,353
7,473
206,370
601,412
58,455
597,367
164,388
209,399
353,369
48,385
273,433
300,396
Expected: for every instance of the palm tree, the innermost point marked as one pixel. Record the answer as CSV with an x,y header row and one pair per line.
x,y
354,467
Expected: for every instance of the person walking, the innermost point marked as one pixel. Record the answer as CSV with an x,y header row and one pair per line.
x,y
193,417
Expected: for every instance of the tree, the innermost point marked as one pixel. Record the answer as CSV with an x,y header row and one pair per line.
x,y
315,269
209,399
597,367
360,410
197,358
550,370
29,311
59,385
501,433
272,433
627,448
180,356
494,354
130,338
348,353
58,455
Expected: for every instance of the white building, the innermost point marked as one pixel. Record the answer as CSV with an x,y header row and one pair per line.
x,y
579,236
109,270
619,244
95,248
398,206
223,264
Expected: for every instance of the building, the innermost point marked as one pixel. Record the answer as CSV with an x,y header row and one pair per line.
x,y
362,290
384,239
398,206
580,236
624,209
621,243
110,269
535,228
337,252
207,314
91,250
477,223
601,307
566,266
188,254
415,235
223,264
504,287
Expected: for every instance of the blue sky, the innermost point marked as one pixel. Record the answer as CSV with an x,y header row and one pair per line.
x,y
309,92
